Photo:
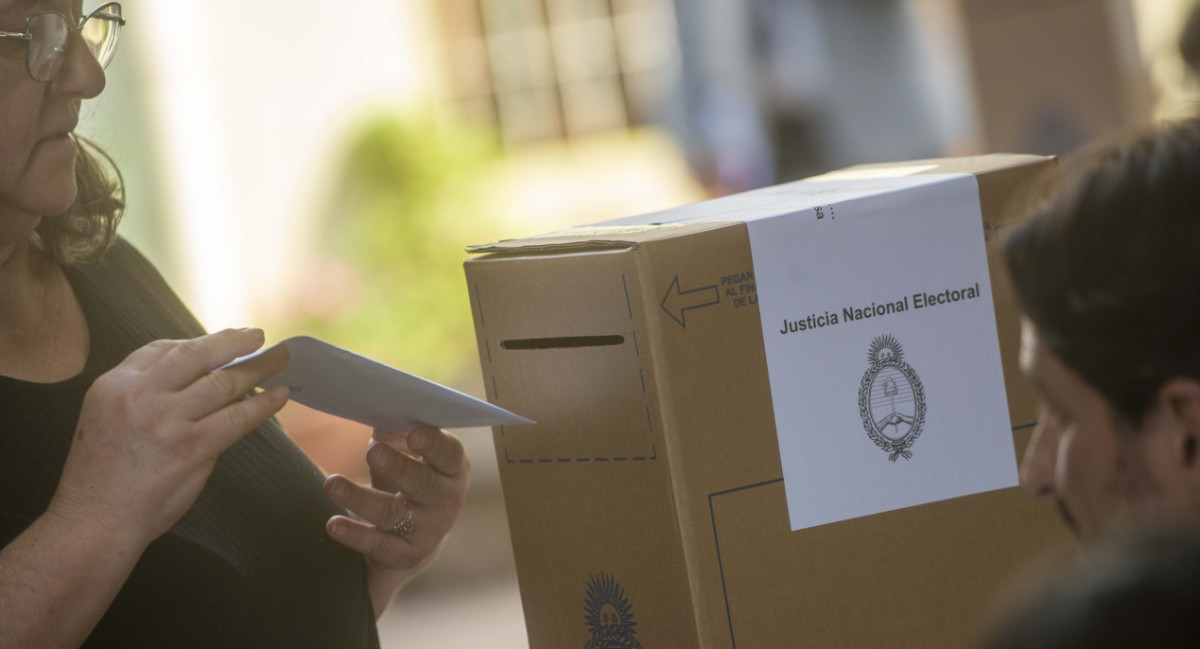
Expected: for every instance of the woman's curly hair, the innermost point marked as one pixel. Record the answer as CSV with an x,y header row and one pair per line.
x,y
89,227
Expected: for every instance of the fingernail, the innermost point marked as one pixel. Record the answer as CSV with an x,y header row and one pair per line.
x,y
384,457
254,331
417,441
280,392
340,488
337,529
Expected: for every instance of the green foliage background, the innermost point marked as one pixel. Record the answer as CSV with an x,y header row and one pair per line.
x,y
406,204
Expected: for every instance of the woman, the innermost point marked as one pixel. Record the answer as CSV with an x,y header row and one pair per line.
x,y
145,500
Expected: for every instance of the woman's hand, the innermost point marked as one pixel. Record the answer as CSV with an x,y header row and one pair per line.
x,y
418,484
151,429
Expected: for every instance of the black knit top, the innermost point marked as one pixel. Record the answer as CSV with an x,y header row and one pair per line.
x,y
250,565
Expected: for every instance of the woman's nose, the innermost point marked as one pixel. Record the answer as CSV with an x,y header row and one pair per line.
x,y
1038,465
81,74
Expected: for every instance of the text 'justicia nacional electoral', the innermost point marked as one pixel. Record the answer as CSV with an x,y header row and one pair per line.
x,y
919,300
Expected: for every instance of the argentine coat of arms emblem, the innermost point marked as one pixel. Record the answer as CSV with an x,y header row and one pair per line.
x,y
609,615
891,400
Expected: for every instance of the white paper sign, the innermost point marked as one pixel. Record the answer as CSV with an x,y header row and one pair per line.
x,y
881,346
880,336
344,384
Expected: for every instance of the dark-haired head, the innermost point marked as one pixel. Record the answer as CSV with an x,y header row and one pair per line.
x,y
1107,274
1108,271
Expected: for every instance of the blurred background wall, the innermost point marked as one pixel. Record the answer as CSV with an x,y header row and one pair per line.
x,y
318,166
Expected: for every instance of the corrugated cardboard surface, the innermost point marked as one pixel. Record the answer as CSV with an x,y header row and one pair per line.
x,y
654,465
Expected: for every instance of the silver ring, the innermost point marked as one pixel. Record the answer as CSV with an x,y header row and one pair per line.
x,y
406,525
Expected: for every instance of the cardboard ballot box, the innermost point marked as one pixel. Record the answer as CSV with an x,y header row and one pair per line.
x,y
706,473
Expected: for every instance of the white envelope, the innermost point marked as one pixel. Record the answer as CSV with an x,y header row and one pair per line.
x,y
344,384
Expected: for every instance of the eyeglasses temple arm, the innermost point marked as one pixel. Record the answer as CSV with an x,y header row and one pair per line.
x,y
108,16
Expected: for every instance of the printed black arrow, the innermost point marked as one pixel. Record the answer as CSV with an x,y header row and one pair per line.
x,y
678,302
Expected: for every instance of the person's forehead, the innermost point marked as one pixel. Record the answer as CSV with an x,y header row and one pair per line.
x,y
18,7
1041,367
1055,382
1029,345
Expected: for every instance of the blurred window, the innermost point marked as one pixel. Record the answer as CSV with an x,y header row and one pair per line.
x,y
554,69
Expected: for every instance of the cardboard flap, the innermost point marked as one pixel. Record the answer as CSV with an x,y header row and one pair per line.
x,y
980,164
595,237
722,212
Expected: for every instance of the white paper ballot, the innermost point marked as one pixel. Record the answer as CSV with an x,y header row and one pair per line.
x,y
344,384
881,344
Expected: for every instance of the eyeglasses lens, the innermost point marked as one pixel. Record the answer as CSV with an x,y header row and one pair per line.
x,y
51,30
101,31
48,45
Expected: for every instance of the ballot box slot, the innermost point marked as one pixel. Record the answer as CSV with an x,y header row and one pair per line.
x,y
566,342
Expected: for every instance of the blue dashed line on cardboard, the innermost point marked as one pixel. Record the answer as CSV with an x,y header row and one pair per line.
x,y
568,460
628,305
482,322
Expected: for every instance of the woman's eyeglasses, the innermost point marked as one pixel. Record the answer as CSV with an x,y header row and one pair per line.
x,y
46,34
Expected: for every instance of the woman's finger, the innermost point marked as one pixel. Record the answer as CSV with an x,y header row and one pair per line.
x,y
223,428
398,441
440,450
386,511
224,386
391,550
191,359
394,471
